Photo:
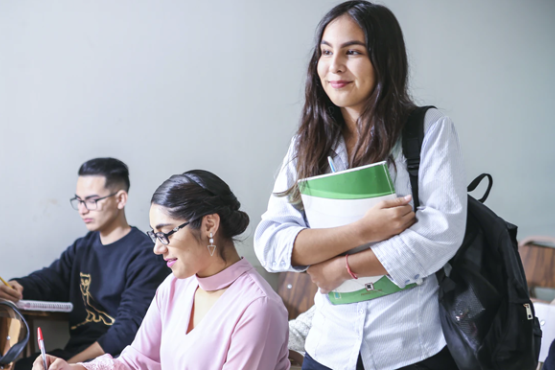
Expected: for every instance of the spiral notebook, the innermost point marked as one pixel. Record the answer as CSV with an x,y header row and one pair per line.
x,y
28,305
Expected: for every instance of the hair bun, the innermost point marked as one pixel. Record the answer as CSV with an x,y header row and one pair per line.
x,y
236,205
240,221
196,193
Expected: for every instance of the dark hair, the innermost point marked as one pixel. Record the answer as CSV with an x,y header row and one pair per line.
x,y
386,109
198,193
114,170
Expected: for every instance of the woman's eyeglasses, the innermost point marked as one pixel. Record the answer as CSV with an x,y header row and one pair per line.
x,y
163,237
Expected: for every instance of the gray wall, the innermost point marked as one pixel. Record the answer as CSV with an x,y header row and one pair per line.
x,y
169,86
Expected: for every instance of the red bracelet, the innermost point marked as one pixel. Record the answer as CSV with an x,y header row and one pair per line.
x,y
348,268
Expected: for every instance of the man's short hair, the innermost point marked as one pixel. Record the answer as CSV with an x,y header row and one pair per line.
x,y
114,170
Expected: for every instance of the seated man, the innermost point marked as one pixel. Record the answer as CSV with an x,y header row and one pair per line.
x,y
110,275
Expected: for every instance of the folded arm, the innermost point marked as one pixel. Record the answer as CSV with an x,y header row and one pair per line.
x,y
425,247
284,241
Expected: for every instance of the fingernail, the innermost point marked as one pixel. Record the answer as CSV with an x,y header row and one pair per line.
x,y
407,197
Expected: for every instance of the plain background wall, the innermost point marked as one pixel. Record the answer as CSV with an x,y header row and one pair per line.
x,y
168,86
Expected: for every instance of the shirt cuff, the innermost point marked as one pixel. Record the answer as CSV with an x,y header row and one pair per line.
x,y
289,251
398,260
282,257
100,363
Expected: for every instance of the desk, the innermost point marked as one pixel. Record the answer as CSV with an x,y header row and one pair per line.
x,y
30,317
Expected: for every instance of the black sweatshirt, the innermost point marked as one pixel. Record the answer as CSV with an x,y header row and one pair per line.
x,y
111,287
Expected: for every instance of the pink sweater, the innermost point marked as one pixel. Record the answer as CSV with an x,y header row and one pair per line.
x,y
245,329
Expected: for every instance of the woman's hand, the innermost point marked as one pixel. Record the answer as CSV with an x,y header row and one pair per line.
x,y
381,222
329,274
54,363
386,219
12,293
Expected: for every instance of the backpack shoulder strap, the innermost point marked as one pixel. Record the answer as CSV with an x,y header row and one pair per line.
x,y
412,138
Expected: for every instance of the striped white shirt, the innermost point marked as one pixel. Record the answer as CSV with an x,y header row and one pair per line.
x,y
402,328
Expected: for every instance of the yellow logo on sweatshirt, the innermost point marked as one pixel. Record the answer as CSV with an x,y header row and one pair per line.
x,y
93,314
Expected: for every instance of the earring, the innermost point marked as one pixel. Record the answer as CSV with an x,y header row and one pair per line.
x,y
211,246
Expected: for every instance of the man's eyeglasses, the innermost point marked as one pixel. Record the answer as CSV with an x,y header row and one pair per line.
x,y
90,204
163,237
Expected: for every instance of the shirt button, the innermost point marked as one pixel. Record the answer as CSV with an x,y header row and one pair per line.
x,y
416,277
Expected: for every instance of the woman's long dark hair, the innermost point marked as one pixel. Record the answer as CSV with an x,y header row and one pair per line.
x,y
386,109
197,193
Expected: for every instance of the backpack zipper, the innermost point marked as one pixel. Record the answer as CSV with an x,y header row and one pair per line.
x,y
529,314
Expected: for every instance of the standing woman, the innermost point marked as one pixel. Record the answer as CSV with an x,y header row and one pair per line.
x,y
215,312
356,103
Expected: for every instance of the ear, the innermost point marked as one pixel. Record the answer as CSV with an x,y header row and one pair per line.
x,y
121,199
210,224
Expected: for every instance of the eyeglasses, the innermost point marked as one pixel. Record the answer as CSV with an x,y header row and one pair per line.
x,y
163,237
90,204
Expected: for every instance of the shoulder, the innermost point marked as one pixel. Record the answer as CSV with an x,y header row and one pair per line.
x,y
291,156
259,294
437,120
86,241
139,238
137,243
167,286
139,251
172,289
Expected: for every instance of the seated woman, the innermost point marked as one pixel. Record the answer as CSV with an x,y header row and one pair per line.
x,y
215,311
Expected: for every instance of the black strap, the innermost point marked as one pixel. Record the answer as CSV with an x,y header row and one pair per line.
x,y
412,138
17,348
474,184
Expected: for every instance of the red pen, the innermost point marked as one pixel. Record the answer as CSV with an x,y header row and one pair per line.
x,y
41,346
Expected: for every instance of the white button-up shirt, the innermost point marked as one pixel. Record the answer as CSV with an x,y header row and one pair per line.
x,y
401,328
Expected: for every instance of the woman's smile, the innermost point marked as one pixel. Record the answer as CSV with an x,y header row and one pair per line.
x,y
339,84
170,261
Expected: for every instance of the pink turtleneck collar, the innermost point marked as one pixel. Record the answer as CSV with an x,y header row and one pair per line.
x,y
225,277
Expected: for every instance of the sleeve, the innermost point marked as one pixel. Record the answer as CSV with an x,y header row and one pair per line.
x,y
426,246
143,276
275,235
144,352
51,283
259,339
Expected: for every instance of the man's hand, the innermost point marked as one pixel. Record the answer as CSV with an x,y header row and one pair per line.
x,y
13,293
329,274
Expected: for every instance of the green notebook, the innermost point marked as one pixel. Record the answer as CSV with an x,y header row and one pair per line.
x,y
339,198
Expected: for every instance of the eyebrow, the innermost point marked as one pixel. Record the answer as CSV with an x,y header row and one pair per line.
x,y
88,197
345,44
159,226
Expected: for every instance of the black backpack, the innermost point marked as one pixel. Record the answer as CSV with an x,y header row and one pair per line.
x,y
9,315
486,314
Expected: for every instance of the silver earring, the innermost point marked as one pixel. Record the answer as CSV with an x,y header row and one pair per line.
x,y
211,246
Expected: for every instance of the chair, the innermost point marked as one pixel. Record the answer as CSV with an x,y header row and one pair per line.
x,y
538,258
297,291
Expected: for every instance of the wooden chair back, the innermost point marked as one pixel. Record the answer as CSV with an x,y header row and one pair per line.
x,y
297,291
538,258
